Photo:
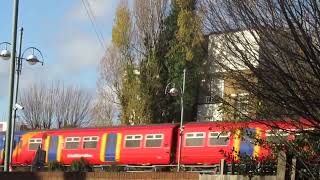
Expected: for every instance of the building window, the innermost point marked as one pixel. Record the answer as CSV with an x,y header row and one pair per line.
x,y
276,136
219,138
242,105
209,100
72,143
154,140
194,139
133,141
211,91
90,142
216,89
35,143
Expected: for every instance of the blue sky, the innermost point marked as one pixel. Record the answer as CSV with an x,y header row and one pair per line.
x,y
62,31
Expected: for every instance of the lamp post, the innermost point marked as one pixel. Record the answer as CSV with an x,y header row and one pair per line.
x,y
32,59
11,82
175,92
5,54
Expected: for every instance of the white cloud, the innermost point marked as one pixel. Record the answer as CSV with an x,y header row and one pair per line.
x,y
73,45
77,51
4,66
76,46
102,9
71,50
4,71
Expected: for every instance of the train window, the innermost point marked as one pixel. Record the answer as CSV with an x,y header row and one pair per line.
x,y
154,140
219,138
194,139
90,142
133,141
72,143
35,143
276,136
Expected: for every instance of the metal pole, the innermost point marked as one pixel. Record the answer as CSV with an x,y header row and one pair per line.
x,y
181,119
11,83
14,116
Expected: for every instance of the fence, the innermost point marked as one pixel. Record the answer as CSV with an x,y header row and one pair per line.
x,y
97,176
282,174
124,175
235,177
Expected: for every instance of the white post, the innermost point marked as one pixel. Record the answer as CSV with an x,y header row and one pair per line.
x,y
11,84
181,119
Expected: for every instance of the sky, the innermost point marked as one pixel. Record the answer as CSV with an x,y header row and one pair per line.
x,y
63,32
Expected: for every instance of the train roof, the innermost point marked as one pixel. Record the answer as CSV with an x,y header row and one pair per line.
x,y
231,124
278,124
157,126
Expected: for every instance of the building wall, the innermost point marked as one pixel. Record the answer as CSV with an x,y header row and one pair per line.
x,y
3,126
220,85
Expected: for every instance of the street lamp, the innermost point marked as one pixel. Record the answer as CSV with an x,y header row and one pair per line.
x,y
173,91
11,81
5,53
32,59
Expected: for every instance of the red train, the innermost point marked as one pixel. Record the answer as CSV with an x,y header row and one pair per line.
x,y
148,145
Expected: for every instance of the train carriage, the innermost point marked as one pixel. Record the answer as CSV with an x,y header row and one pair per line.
x,y
203,144
208,143
148,145
24,152
143,145
16,140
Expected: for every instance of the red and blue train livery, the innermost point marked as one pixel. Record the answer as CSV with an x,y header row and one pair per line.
x,y
202,143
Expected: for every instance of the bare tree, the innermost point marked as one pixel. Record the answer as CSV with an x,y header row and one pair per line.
x,y
111,71
34,101
55,107
103,113
277,44
149,17
74,107
109,86
280,48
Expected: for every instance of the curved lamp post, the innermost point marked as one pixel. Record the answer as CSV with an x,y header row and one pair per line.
x,y
173,91
5,54
32,59
15,13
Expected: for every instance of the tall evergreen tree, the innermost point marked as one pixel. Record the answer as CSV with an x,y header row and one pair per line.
x,y
186,51
162,44
167,108
149,17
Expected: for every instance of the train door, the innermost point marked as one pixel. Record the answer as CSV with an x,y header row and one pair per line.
x,y
111,146
247,144
53,149
16,141
2,142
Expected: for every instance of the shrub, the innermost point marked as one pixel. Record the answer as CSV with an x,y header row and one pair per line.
x,y
55,166
80,165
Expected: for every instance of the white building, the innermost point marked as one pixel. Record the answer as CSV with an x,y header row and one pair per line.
x,y
217,85
3,126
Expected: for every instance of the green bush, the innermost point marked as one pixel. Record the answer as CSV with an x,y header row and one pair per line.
x,y
250,166
80,165
113,168
55,166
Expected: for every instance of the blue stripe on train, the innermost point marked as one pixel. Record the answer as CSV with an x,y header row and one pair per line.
x,y
246,146
16,139
53,146
111,145
2,140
